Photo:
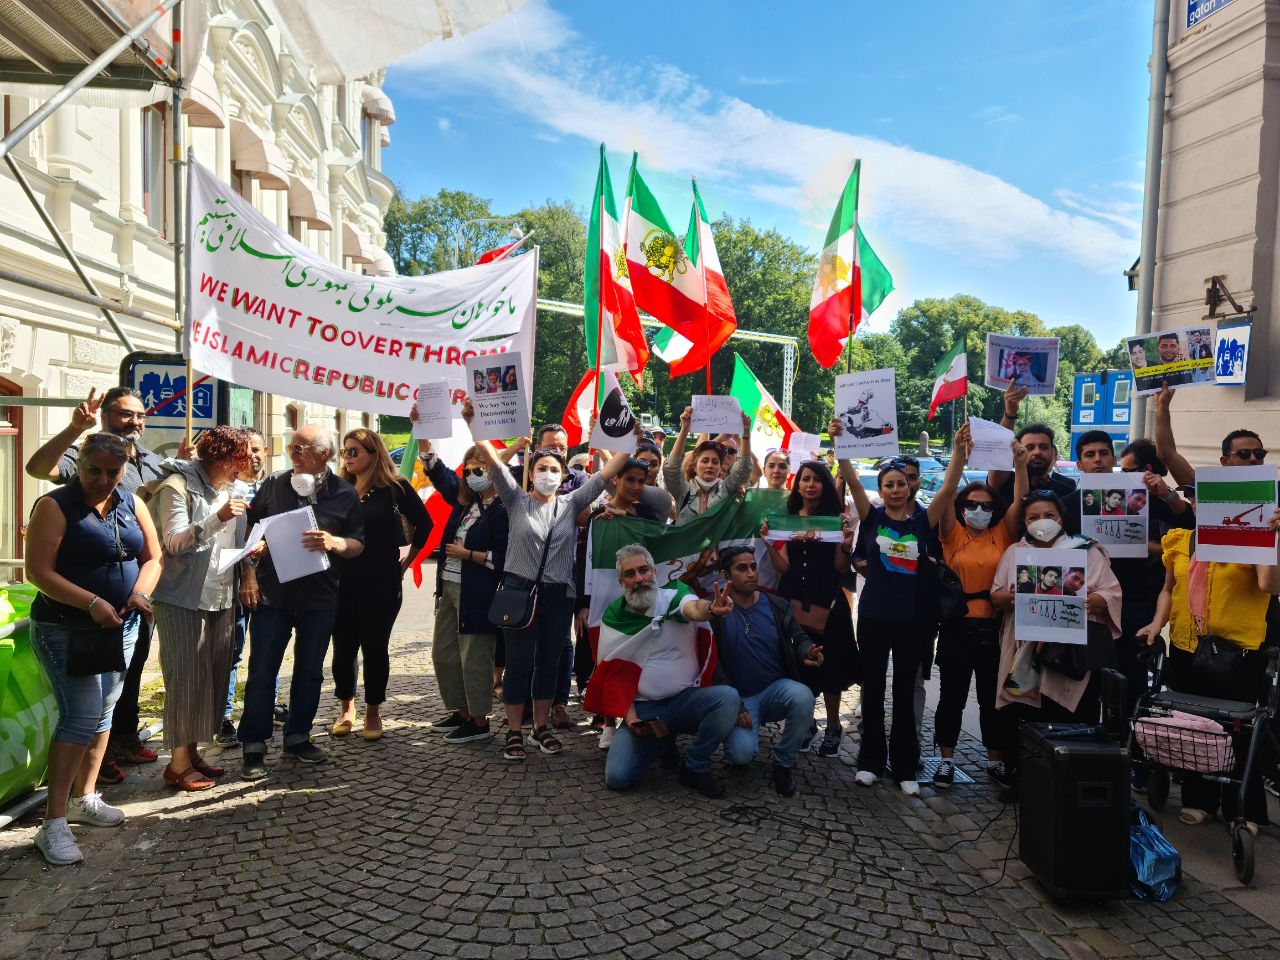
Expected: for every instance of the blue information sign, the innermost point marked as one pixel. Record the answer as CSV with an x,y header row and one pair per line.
x,y
1197,10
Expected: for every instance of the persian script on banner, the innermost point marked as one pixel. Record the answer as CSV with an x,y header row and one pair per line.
x,y
265,312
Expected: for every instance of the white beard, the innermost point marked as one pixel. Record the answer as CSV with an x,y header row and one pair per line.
x,y
641,598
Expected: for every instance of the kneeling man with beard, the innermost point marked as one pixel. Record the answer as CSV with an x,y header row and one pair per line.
x,y
649,671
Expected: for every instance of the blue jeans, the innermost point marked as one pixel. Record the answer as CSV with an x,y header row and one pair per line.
x,y
706,713
783,699
238,637
272,629
85,704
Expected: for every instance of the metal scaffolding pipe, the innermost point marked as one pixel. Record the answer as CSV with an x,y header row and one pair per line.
x,y
102,303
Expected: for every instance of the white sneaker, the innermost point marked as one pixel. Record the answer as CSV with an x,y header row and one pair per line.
x,y
865,778
55,841
95,811
910,788
606,737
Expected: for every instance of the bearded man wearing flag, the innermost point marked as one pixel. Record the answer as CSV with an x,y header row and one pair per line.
x,y
649,671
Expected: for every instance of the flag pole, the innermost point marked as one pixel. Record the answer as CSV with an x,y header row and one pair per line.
x,y
854,308
702,268
595,389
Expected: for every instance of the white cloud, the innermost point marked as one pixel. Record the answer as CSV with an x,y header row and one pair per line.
x,y
443,125
534,63
994,116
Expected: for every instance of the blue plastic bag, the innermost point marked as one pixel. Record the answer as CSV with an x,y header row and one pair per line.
x,y
1157,866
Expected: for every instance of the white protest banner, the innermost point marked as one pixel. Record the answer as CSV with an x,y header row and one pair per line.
x,y
502,406
1031,361
1180,358
867,405
802,447
990,450
615,423
1115,512
1233,514
1049,595
265,312
715,414
435,412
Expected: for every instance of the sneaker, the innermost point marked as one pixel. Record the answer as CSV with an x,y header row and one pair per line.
x,y
136,752
945,775
865,778
701,780
255,766
560,717
109,773
598,723
227,736
450,723
470,730
306,752
830,745
1138,779
280,714
910,787
807,740
606,737
998,774
93,810
55,841
782,782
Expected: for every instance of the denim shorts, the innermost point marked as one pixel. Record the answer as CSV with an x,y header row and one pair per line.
x,y
84,703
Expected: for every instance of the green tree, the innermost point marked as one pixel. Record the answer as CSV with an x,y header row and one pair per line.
x,y
1117,358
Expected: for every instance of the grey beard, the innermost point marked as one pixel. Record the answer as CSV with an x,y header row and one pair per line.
x,y
132,435
640,599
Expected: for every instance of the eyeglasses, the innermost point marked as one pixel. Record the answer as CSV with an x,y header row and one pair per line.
x,y
982,505
1257,453
129,416
473,472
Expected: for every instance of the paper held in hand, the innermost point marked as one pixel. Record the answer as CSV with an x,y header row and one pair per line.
x,y
1233,514
866,403
1030,362
1115,512
990,450
1049,592
803,448
284,539
229,558
435,412
715,414
499,396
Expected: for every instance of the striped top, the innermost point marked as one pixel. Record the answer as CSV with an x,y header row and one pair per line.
x,y
530,522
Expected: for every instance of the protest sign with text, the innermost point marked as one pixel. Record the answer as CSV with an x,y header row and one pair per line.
x,y
1180,358
714,414
499,396
1031,362
867,406
991,448
435,412
1049,595
265,312
1115,512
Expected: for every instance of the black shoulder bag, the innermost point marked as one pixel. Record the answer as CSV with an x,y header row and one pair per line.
x,y
404,527
91,649
513,608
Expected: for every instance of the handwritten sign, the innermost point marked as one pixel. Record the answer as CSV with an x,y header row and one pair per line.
x,y
867,406
1114,510
435,412
499,396
1049,595
716,414
991,450
802,447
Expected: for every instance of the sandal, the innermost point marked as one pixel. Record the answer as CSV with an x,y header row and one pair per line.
x,y
545,740
185,781
1193,816
208,769
514,748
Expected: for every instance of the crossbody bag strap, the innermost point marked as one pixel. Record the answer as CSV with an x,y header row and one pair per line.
x,y
546,546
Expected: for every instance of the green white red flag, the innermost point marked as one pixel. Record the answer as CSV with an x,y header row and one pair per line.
x,y
950,377
669,346
721,321
577,415
609,307
851,280
771,429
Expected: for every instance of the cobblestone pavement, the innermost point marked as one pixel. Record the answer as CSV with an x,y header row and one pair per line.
x,y
408,848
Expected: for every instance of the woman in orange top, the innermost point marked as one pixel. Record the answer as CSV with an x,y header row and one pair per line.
x,y
975,536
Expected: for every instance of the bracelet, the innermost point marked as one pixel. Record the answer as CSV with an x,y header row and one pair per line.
x,y
88,607
139,593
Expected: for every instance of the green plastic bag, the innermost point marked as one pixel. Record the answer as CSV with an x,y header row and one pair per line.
x,y
28,710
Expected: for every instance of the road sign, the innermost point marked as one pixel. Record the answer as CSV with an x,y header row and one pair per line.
x,y
161,379
1197,10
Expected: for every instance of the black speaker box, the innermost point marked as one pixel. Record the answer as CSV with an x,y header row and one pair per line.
x,y
1073,832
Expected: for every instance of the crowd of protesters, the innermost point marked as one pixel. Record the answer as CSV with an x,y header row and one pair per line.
x,y
130,546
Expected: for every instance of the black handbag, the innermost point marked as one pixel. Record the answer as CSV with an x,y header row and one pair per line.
x,y
92,650
1216,664
512,607
1075,660
404,526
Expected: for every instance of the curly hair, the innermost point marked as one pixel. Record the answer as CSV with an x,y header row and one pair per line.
x,y
224,444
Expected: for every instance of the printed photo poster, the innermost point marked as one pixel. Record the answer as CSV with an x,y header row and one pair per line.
x,y
1231,355
499,395
1049,595
1031,362
1233,514
1181,358
1115,512
867,405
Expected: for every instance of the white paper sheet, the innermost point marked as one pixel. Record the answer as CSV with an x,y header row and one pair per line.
x,y
435,412
502,406
284,539
715,414
990,449
228,559
803,447
866,402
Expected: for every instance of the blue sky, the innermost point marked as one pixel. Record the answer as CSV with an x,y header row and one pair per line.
x,y
1001,142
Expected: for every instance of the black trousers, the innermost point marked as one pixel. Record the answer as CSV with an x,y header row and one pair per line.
x,y
967,649
125,722
906,641
367,610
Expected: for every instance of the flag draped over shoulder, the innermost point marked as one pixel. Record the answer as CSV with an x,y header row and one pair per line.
x,y
951,377
609,307
851,281
771,429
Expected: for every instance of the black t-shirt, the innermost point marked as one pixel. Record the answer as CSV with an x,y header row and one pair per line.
x,y
337,510
894,551
1055,482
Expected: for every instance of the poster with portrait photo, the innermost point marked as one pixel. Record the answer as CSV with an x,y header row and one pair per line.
x,y
1031,362
1114,510
1180,358
500,412
1049,595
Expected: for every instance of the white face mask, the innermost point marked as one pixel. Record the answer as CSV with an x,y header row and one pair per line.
x,y
479,484
706,484
978,519
546,483
304,484
1044,530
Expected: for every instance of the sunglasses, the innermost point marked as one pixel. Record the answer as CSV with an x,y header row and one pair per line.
x,y
473,472
731,451
637,462
298,449
1039,494
1257,453
982,505
353,452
